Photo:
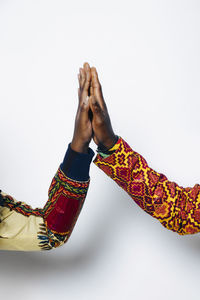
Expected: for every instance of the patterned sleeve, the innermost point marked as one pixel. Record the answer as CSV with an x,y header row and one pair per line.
x,y
177,208
23,228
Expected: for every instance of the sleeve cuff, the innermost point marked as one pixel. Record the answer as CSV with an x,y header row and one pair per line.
x,y
1,199
103,152
76,165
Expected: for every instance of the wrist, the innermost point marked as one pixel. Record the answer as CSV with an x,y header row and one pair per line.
x,y
109,143
79,147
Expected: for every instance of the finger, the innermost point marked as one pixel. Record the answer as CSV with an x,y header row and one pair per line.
x,y
86,85
79,80
80,77
79,89
95,79
97,91
91,89
84,110
82,73
86,67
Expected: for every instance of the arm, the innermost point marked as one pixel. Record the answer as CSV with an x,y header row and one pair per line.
x,y
177,208
27,229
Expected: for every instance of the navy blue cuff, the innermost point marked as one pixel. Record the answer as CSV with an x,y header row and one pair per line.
x,y
76,165
1,199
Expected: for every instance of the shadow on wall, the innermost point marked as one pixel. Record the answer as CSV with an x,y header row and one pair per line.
x,y
98,241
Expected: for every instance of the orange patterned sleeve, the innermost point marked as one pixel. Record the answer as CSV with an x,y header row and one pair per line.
x,y
177,208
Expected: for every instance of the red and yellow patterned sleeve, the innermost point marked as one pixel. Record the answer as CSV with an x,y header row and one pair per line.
x,y
177,208
23,228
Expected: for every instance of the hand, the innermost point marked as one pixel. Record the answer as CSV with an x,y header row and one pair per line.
x,y
83,127
103,133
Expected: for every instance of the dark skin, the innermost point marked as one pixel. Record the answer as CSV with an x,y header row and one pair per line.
x,y
92,118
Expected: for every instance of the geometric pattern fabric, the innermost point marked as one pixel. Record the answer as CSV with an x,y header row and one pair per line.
x,y
177,208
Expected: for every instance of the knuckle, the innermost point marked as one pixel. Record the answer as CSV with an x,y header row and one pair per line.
x,y
86,84
96,85
96,104
82,107
80,92
97,109
99,122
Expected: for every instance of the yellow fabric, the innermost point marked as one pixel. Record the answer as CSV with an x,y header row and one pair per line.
x,y
18,232
176,207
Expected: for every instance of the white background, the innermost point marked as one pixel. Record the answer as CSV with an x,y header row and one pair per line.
x,y
147,55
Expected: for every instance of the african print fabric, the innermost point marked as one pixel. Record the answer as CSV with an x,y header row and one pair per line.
x,y
23,228
177,208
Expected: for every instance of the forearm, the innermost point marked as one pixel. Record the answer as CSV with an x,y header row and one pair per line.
x,y
67,192
23,228
66,198
174,206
